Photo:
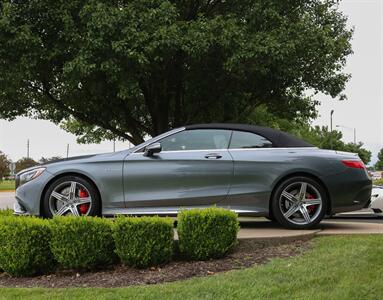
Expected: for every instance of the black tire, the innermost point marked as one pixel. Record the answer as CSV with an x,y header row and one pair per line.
x,y
95,207
276,207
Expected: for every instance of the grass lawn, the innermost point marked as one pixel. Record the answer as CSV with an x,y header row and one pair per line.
x,y
336,268
7,185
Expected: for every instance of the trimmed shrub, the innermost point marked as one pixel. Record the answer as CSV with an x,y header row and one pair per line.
x,y
24,246
207,233
143,241
82,243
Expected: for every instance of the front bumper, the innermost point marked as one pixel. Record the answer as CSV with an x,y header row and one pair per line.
x,y
18,210
28,196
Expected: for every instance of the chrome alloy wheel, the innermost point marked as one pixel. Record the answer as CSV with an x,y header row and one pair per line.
x,y
70,198
300,203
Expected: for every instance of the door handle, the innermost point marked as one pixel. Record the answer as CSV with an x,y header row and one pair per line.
x,y
213,156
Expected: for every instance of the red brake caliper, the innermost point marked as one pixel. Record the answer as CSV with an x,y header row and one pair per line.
x,y
311,208
83,207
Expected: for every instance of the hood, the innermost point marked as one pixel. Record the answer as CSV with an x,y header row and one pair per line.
x,y
68,159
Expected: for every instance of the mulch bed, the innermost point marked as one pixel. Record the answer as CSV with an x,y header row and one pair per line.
x,y
246,254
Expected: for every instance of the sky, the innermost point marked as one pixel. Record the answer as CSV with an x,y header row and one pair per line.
x,y
363,110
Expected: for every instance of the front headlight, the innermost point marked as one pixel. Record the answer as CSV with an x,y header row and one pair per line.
x,y
30,175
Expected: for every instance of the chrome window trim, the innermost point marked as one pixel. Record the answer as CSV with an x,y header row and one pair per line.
x,y
237,149
272,148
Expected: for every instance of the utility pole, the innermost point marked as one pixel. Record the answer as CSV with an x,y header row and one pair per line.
x,y
28,148
114,145
67,150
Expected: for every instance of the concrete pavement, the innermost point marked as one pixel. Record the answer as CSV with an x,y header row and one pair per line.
x,y
7,199
265,230
262,229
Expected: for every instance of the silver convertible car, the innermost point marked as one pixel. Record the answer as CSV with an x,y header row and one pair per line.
x,y
251,170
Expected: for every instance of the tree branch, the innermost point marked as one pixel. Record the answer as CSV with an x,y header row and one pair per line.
x,y
88,119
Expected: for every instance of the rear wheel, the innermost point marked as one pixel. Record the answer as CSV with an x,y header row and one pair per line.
x,y
71,195
299,203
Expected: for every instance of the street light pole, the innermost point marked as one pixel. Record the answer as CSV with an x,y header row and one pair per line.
x,y
28,148
350,128
331,113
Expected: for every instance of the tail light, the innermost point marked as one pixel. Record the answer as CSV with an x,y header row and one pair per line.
x,y
356,164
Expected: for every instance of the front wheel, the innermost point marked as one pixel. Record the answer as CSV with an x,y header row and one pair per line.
x,y
71,195
299,203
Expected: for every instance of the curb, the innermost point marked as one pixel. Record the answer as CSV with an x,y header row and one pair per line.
x,y
280,239
6,191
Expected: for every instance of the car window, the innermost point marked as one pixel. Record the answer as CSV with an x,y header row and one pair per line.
x,y
248,140
197,139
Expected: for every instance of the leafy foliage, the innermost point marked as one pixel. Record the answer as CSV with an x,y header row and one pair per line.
x,y
321,137
24,163
4,165
82,243
24,246
379,163
207,233
44,160
107,69
144,241
6,212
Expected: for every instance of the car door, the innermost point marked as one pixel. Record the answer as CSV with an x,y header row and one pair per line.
x,y
255,162
194,168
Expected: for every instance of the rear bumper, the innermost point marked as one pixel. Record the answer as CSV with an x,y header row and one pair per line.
x,y
349,191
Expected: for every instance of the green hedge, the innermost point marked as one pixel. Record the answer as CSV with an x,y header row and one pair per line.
x,y
82,242
29,245
6,212
207,233
143,241
24,246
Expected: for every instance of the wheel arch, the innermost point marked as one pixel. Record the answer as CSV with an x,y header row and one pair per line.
x,y
306,174
85,177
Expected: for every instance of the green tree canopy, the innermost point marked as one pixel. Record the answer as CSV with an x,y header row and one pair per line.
x,y
24,163
107,69
379,163
4,165
44,160
321,137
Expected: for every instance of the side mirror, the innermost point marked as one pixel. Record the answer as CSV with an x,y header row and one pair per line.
x,y
152,149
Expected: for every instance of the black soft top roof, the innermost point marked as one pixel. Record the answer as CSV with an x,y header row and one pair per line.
x,y
278,138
